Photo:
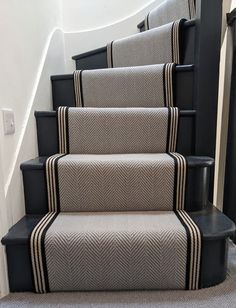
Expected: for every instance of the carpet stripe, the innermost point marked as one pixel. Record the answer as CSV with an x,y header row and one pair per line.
x,y
194,250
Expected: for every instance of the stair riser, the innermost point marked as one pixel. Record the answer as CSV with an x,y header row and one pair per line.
x,y
213,270
63,89
20,273
47,133
98,58
35,191
35,188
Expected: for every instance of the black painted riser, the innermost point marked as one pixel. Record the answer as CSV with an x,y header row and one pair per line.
x,y
63,89
47,133
35,188
216,228
97,58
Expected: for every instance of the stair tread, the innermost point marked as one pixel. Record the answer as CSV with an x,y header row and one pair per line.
x,y
179,68
213,224
193,161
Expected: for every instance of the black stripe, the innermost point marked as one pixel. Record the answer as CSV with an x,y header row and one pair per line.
x,y
81,89
181,40
75,95
45,178
173,81
44,261
175,181
148,21
67,130
201,253
172,45
168,131
188,250
111,47
58,128
189,9
57,181
31,257
177,132
164,83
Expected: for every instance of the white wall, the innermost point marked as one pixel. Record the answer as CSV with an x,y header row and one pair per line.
x,y
32,49
81,15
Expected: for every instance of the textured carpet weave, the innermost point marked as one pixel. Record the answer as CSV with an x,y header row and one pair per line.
x,y
141,86
169,11
156,46
116,182
116,251
117,130
223,295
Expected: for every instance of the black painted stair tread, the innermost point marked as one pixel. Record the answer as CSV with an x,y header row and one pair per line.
x,y
109,86
193,162
214,225
35,187
212,222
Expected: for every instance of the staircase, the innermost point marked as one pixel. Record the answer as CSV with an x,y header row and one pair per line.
x,y
118,198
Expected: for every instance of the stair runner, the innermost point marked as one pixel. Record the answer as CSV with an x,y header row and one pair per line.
x,y
168,11
156,46
122,210
116,190
140,86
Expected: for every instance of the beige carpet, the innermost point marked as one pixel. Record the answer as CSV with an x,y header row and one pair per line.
x,y
222,296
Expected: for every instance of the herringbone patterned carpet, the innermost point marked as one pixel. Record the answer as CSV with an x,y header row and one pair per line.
x,y
223,296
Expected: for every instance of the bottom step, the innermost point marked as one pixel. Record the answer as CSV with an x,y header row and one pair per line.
x,y
113,246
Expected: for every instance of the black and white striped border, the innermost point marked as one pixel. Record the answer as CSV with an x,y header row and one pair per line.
x,y
180,180
168,72
172,129
194,250
78,88
37,251
176,41
110,54
52,182
62,123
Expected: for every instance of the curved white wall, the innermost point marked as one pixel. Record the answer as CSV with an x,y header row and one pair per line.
x,y
31,50
95,23
80,15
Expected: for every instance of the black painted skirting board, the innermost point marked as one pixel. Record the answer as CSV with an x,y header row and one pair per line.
x,y
216,229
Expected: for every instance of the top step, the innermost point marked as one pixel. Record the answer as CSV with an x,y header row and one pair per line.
x,y
168,11
173,42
